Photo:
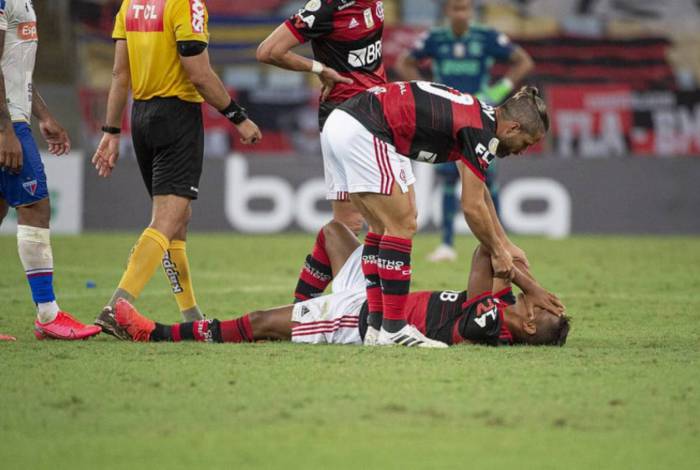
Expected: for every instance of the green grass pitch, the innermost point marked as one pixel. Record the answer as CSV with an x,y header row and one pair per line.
x,y
623,393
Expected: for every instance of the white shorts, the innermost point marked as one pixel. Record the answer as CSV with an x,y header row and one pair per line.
x,y
355,161
333,318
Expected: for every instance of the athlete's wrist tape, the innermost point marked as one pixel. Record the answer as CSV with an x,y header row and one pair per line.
x,y
316,67
111,130
234,113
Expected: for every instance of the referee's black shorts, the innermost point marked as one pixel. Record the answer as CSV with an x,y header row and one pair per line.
x,y
168,136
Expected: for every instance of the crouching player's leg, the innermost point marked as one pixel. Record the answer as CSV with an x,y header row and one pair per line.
x,y
26,190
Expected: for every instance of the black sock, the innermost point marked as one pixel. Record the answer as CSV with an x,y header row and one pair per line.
x,y
374,319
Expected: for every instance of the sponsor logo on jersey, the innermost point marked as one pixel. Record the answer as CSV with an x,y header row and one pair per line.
x,y
493,145
172,273
369,19
459,50
304,310
197,15
27,31
312,5
30,186
365,56
353,24
145,16
503,40
304,19
380,10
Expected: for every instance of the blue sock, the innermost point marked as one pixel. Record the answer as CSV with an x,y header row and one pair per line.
x,y
41,284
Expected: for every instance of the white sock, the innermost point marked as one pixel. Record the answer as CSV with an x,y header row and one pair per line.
x,y
47,311
34,247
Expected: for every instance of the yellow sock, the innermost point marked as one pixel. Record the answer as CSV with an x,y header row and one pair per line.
x,y
177,269
143,261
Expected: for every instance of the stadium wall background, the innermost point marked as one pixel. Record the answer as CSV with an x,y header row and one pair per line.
x,y
266,194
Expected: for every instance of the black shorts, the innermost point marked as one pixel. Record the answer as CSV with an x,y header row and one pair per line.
x,y
168,136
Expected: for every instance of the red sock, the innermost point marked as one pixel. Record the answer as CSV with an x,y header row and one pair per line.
x,y
316,273
394,265
370,252
237,331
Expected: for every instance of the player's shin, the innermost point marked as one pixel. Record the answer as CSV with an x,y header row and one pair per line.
x,y
316,273
146,255
370,253
34,247
394,263
177,269
211,331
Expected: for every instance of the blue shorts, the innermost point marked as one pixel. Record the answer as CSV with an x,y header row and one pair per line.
x,y
29,186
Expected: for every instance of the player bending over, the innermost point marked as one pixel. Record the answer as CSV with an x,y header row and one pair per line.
x,y
486,313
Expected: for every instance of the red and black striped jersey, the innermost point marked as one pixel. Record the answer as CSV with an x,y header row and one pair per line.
x,y
452,317
347,36
429,122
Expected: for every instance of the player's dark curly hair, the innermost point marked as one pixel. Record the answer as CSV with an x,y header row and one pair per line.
x,y
552,332
528,108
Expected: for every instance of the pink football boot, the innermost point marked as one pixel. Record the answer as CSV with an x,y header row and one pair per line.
x,y
64,326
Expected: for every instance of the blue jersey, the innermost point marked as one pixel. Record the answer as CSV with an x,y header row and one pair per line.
x,y
463,62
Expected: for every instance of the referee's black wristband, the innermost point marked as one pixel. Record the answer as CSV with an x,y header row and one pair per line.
x,y
111,130
234,113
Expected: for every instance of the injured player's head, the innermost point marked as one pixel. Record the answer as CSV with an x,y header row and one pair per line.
x,y
535,326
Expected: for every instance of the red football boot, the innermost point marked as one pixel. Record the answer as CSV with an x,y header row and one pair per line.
x,y
136,325
64,326
7,338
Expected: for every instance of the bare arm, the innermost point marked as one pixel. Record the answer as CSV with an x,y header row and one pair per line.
x,y
205,80
119,88
276,50
55,135
521,65
107,152
10,148
209,85
478,217
516,252
407,67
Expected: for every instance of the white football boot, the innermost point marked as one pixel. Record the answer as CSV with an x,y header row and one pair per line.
x,y
371,336
443,253
408,336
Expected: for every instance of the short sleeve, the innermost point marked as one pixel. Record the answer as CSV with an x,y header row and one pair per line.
x,y
3,16
189,19
313,21
499,46
423,47
478,145
119,31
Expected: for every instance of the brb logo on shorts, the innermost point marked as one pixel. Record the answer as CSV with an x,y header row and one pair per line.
x,y
197,15
366,56
145,16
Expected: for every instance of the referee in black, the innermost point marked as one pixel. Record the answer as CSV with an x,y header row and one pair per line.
x,y
161,55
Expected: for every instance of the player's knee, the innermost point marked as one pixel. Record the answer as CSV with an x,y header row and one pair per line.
x,y
405,228
35,215
351,218
334,230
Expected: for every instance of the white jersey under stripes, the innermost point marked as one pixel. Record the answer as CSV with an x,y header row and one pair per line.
x,y
18,21
355,161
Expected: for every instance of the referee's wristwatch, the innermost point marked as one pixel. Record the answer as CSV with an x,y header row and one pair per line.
x,y
111,130
235,113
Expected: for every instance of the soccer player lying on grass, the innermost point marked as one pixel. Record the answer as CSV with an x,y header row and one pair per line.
x,y
487,313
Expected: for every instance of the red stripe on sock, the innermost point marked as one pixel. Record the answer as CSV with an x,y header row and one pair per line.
x,y
394,306
236,331
175,332
319,251
373,239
